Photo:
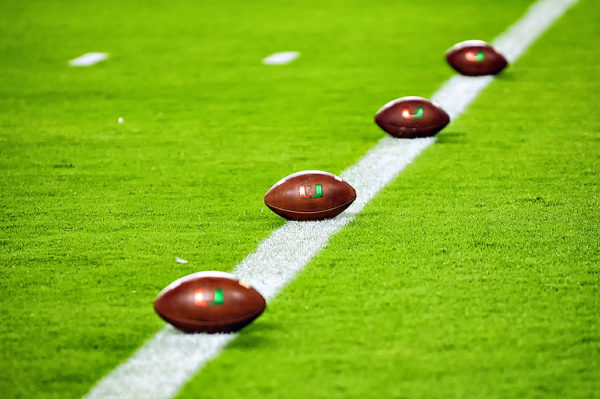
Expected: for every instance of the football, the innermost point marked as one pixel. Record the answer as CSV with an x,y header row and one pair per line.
x,y
410,117
310,195
475,58
209,302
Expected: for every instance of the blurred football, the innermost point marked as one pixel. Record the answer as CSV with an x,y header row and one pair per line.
x,y
410,117
475,58
209,302
310,195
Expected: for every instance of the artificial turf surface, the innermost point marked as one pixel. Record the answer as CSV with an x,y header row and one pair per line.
x,y
475,274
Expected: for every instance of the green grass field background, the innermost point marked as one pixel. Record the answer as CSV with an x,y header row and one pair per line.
x,y
475,274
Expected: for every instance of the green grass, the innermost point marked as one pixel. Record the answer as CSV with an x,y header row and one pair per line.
x,y
475,274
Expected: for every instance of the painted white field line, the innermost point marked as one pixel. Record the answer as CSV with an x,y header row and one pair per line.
x,y
165,362
281,58
88,59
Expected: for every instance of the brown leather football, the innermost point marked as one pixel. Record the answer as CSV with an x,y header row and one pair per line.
x,y
209,302
475,58
310,195
410,117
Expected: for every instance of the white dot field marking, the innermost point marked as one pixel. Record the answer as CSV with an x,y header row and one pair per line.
x,y
88,59
281,58
168,360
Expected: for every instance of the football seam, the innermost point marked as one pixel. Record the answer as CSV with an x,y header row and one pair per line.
x,y
417,128
306,212
210,323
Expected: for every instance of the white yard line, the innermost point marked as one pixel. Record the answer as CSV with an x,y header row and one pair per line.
x,y
167,361
88,59
281,58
